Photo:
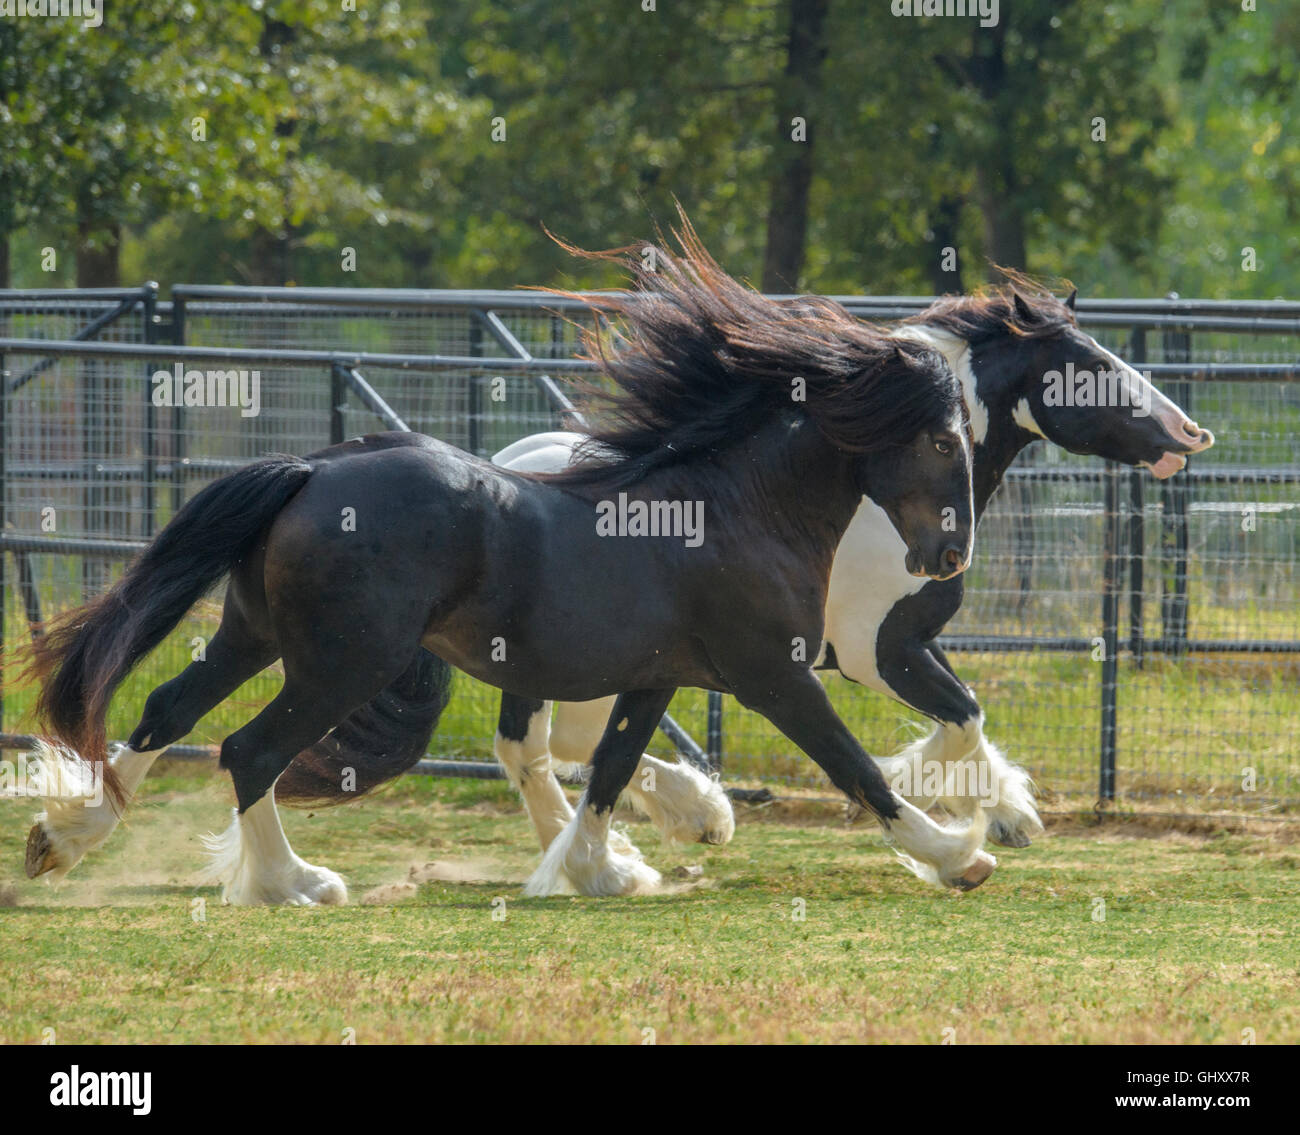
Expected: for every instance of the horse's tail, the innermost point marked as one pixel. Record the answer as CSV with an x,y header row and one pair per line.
x,y
89,650
377,742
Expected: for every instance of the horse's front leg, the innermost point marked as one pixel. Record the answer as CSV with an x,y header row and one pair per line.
x,y
797,704
956,766
581,855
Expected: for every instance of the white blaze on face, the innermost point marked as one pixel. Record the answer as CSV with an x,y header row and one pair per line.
x,y
1146,400
957,352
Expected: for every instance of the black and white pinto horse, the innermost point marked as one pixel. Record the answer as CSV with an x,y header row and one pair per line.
x,y
1007,347
370,567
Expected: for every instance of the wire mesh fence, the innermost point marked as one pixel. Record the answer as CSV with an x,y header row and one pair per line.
x,y
1189,587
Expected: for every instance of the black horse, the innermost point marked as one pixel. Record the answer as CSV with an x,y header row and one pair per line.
x,y
370,566
1027,371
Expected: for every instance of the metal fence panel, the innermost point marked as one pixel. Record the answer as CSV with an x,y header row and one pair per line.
x,y
1200,692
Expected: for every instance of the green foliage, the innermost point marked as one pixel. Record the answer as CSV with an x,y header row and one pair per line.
x,y
440,139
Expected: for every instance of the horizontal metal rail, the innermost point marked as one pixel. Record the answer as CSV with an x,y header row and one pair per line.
x,y
71,296
521,299
27,742
1014,644
93,328
1186,372
286,356
122,470
72,546
1022,474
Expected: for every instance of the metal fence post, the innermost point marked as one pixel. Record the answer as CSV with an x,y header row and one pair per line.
x,y
4,491
1136,527
713,737
1112,570
149,308
1175,496
338,403
178,432
473,433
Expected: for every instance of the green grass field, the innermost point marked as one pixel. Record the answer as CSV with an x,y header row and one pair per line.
x,y
1198,941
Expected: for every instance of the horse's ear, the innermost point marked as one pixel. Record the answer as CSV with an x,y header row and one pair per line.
x,y
1069,300
1023,309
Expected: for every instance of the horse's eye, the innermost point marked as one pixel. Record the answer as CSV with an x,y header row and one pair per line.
x,y
944,447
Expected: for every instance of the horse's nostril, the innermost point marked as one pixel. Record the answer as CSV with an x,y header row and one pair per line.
x,y
1192,430
951,558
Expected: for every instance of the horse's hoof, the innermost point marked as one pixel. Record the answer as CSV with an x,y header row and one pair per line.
x,y
1008,837
976,873
39,852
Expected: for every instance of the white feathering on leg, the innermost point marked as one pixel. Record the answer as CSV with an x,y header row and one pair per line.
x,y
582,856
686,805
937,853
79,817
255,865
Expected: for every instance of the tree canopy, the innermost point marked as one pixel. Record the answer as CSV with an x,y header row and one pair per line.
x,y
818,145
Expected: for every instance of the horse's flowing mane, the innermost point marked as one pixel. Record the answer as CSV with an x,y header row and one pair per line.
x,y
699,360
1020,306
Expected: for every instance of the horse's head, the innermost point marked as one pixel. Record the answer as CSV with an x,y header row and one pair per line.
x,y
924,488
1061,384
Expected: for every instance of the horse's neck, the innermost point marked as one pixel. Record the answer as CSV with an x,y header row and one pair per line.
x,y
803,485
1001,447
1003,440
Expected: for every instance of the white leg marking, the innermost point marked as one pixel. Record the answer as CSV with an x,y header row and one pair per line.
x,y
527,764
582,857
911,771
682,802
957,767
78,816
255,865
1013,815
575,732
945,855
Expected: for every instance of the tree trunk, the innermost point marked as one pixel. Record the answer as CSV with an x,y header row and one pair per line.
x,y
269,259
796,92
4,261
1004,223
996,177
943,235
97,263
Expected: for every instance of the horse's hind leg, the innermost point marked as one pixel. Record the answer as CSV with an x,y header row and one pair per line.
x,y
531,749
582,853
252,859
522,747
72,825
683,803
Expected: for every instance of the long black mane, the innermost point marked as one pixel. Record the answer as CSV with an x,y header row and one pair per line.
x,y
700,360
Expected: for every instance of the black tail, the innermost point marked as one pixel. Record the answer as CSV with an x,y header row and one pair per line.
x,y
377,742
89,650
